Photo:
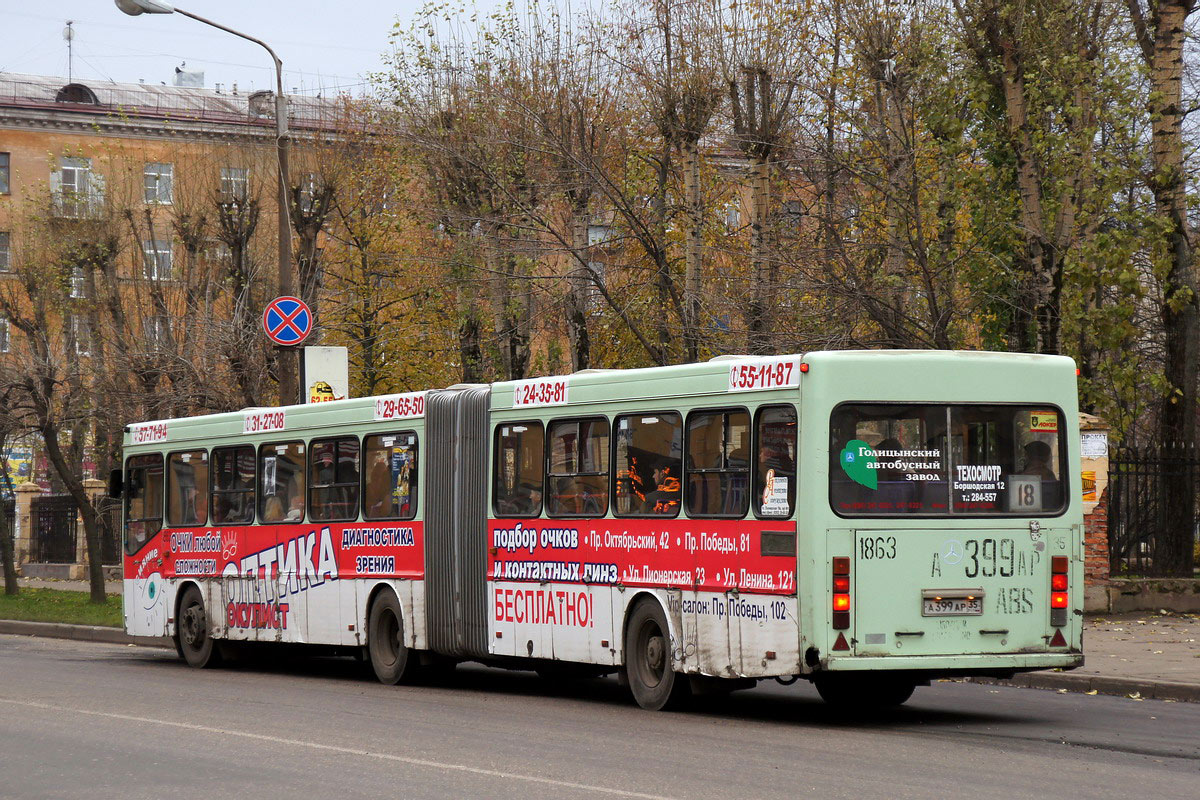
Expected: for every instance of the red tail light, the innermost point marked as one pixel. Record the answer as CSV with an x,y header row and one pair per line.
x,y
841,593
1060,601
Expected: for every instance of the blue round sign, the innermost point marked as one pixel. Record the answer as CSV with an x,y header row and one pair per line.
x,y
287,320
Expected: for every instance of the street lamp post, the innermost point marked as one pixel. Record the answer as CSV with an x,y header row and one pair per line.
x,y
289,389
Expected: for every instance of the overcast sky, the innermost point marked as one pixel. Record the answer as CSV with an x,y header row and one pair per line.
x,y
330,44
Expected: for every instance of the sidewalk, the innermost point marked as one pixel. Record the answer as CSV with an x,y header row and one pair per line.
x,y
1140,655
110,587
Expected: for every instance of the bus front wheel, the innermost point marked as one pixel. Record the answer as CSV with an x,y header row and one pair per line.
x,y
390,657
865,692
193,639
654,684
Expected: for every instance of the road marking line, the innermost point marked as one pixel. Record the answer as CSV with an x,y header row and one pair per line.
x,y
419,762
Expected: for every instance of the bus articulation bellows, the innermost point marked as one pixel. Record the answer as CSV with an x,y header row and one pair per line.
x,y
866,520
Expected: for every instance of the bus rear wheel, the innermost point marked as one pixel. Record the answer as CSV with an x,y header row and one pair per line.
x,y
193,640
865,692
653,682
390,657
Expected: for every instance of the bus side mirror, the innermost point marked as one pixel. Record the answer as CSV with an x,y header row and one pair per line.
x,y
115,483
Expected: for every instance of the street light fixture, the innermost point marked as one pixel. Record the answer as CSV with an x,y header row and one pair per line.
x,y
289,389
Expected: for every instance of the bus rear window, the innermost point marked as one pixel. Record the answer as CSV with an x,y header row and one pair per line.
x,y
986,460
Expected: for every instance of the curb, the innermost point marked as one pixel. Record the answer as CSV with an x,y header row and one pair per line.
x,y
1101,684
80,633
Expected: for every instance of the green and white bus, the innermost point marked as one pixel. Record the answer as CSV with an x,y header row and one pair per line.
x,y
864,520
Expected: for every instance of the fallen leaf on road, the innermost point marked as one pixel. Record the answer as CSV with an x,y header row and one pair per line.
x,y
1092,692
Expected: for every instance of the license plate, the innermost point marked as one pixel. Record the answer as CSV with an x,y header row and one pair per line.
x,y
951,606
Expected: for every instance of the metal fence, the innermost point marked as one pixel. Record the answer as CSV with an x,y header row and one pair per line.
x,y
1152,490
109,511
9,526
55,528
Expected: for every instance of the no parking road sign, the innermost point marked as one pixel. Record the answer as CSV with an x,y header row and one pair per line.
x,y
287,320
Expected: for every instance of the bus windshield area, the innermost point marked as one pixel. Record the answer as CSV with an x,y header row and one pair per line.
x,y
939,460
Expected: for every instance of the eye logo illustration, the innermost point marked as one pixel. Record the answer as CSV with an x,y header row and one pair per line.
x,y
151,592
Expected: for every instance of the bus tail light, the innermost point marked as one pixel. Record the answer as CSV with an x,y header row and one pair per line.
x,y
1059,599
841,593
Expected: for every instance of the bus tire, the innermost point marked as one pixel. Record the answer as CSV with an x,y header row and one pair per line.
x,y
390,657
193,637
654,684
866,692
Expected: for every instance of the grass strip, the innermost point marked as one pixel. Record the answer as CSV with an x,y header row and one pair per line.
x,y
58,605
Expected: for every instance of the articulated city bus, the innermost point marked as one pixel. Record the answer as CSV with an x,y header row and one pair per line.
x,y
865,520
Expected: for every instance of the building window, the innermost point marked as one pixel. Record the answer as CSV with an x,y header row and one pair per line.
x,y
81,332
5,251
309,187
157,259
78,283
3,335
159,183
4,157
77,192
235,183
156,330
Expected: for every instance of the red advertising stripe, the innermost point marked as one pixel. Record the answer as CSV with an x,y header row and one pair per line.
x,y
706,555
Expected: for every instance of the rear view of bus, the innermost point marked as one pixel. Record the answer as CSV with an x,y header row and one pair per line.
x,y
945,517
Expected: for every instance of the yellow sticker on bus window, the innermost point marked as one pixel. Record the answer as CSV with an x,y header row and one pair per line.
x,y
1043,421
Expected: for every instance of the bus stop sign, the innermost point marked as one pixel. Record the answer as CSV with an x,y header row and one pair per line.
x,y
287,320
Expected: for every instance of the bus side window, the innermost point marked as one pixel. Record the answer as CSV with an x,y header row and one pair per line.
x,y
390,476
232,485
578,473
718,463
143,500
187,489
333,480
281,473
648,455
517,472
775,465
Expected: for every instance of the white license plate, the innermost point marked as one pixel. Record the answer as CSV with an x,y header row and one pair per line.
x,y
952,606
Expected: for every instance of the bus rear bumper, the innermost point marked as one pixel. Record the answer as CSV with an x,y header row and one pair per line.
x,y
994,665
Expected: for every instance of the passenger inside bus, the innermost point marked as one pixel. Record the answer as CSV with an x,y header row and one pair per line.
x,y
664,500
1037,461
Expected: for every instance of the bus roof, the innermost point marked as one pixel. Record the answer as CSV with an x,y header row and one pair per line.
x,y
709,378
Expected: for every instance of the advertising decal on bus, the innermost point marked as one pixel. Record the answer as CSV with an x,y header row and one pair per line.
x,y
712,555
540,392
148,432
764,373
285,560
400,406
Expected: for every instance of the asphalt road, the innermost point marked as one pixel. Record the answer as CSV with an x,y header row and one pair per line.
x,y
99,721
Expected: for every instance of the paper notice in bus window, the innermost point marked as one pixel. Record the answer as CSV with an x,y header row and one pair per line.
x,y
764,373
775,496
1024,493
400,406
540,392
1043,421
